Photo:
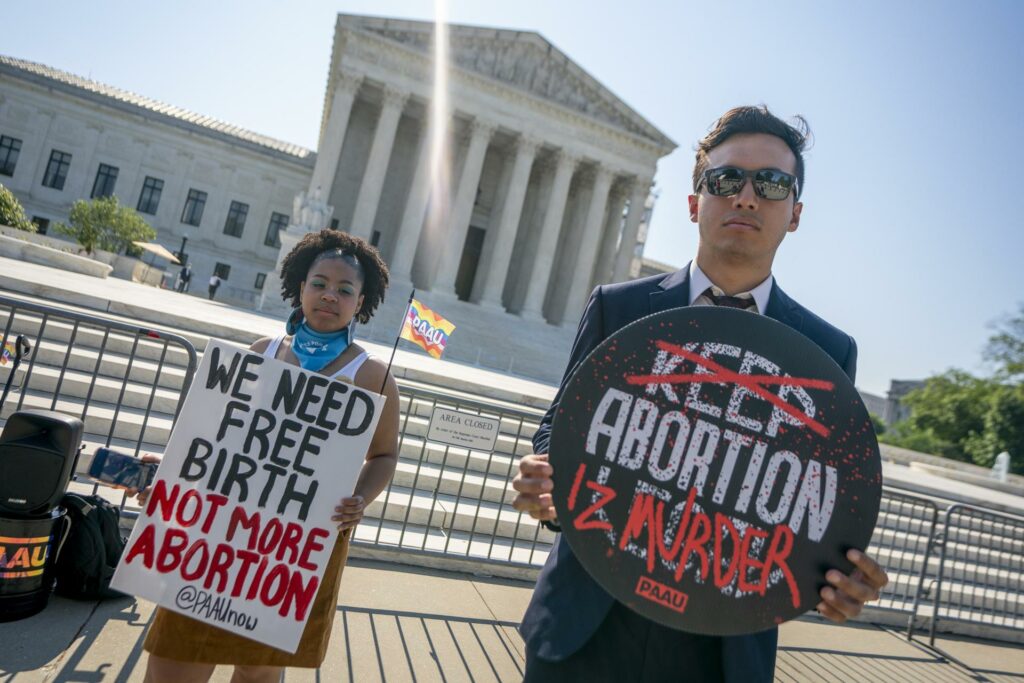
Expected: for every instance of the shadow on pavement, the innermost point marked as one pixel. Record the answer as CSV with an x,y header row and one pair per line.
x,y
406,645
79,664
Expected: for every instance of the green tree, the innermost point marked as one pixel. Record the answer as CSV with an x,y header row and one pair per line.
x,y
1003,431
960,416
12,213
878,423
105,224
1006,347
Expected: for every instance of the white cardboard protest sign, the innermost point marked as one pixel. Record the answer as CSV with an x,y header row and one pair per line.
x,y
456,428
237,530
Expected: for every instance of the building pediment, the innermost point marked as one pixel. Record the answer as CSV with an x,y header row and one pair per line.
x,y
524,60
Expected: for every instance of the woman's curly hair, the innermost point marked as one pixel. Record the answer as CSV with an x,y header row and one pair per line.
x,y
299,260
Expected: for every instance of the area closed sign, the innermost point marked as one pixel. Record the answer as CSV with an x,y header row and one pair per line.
x,y
457,428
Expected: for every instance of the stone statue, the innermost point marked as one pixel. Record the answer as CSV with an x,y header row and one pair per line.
x,y
310,211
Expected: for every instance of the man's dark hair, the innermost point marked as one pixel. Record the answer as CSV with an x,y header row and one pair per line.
x,y
749,120
357,252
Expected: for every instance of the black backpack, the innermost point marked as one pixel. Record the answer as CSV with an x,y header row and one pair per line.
x,y
90,548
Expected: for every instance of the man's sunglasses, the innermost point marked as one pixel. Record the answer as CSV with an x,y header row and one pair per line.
x,y
768,182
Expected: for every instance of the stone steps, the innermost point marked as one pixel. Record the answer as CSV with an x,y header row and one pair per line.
x,y
458,543
146,345
108,364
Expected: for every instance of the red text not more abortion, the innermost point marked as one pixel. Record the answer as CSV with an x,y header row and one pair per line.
x,y
276,567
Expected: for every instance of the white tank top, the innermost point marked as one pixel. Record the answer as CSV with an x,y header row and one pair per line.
x,y
349,371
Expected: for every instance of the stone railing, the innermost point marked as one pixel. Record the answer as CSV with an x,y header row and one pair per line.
x,y
24,250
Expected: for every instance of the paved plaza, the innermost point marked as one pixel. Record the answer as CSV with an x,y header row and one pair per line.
x,y
399,623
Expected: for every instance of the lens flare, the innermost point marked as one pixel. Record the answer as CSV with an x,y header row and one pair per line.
x,y
439,131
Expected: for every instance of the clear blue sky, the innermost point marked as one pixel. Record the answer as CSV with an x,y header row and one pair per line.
x,y
912,236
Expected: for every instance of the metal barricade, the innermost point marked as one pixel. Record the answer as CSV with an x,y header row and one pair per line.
x,y
126,383
902,543
123,381
455,502
981,569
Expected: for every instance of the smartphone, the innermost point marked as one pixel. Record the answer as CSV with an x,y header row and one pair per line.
x,y
121,469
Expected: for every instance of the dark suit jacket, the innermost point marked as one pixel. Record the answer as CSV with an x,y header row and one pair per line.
x,y
568,605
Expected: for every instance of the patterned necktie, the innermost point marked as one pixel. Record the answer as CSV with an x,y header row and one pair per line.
x,y
742,302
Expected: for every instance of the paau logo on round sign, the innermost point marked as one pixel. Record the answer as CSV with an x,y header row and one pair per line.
x,y
710,466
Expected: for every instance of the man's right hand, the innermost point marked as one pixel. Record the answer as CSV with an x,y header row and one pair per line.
x,y
534,485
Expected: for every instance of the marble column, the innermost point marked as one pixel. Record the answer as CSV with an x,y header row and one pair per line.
x,y
408,237
495,264
462,208
540,274
377,163
586,250
637,200
610,236
329,151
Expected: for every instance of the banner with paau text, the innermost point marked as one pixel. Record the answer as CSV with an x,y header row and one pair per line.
x,y
237,530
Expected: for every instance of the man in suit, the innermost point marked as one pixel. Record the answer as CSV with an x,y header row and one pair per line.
x,y
747,181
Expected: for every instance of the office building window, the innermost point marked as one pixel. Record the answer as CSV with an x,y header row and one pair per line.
x,y
222,270
235,222
42,224
192,214
106,178
334,224
10,148
278,222
149,198
57,170
260,279
375,239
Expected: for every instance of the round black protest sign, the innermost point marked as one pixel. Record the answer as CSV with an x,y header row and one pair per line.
x,y
710,465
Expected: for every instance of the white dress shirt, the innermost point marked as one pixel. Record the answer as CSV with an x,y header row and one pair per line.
x,y
699,282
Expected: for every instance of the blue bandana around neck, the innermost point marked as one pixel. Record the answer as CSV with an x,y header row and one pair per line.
x,y
315,350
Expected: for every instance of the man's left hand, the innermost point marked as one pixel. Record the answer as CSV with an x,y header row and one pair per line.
x,y
845,598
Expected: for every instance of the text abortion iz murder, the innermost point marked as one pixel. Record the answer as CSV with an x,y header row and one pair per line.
x,y
631,432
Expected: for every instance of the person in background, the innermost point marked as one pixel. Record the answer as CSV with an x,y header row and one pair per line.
x,y
214,284
184,278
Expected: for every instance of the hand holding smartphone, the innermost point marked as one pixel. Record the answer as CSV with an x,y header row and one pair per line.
x,y
120,469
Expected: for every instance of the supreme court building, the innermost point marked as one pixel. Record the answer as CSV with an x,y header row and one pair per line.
x,y
550,185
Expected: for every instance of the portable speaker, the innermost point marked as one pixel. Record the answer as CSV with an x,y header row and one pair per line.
x,y
38,452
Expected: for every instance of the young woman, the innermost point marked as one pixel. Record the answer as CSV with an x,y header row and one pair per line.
x,y
332,280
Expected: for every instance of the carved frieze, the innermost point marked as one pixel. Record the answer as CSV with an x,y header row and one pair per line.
x,y
407,60
525,65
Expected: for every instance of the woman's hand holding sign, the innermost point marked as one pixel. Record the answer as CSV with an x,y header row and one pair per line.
x,y
847,595
350,511
534,485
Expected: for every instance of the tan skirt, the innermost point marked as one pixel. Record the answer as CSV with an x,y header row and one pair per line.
x,y
175,636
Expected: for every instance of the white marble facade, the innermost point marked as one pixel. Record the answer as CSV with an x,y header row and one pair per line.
x,y
550,191
550,179
44,110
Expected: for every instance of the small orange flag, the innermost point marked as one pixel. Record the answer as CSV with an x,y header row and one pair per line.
x,y
426,329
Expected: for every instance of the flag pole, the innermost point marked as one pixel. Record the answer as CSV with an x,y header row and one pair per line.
x,y
391,360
